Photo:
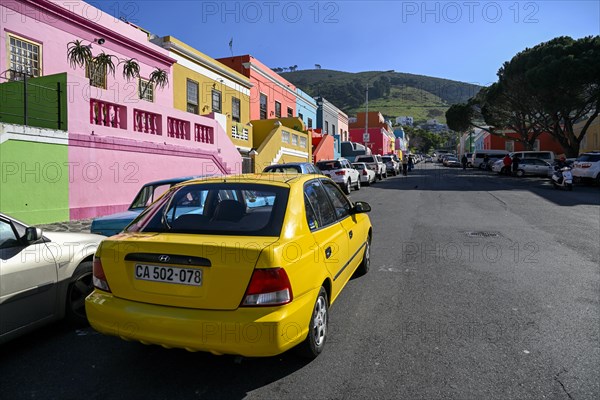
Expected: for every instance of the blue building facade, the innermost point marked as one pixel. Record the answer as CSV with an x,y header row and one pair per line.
x,y
306,108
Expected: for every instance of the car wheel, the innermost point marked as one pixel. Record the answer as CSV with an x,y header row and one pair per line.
x,y
368,182
347,186
358,184
365,264
80,287
385,176
520,173
317,329
469,165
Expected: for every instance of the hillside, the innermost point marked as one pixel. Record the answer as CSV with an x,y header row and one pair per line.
x,y
392,93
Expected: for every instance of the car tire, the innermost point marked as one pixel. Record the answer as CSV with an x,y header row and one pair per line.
x,y
80,286
347,186
365,264
357,184
520,173
317,329
368,182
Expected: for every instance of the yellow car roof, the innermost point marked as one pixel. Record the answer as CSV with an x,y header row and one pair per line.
x,y
270,178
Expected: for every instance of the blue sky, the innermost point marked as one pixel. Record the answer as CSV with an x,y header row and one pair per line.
x,y
460,40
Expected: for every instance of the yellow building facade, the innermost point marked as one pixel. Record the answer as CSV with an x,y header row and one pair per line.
x,y
202,85
281,140
591,140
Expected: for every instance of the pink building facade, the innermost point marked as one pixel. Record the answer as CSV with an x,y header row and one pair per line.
x,y
116,140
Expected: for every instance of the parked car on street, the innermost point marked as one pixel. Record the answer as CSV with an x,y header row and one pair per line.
x,y
527,166
375,164
112,224
367,176
294,168
451,161
477,159
341,172
392,166
44,276
587,167
188,280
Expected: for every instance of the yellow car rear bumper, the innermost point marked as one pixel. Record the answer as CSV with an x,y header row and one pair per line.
x,y
247,331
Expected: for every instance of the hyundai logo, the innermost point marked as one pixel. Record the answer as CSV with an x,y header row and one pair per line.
x,y
164,258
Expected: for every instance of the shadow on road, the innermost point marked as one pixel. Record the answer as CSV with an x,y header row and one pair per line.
x,y
127,369
436,177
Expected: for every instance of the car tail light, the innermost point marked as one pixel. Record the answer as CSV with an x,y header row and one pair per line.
x,y
364,172
585,165
268,287
99,278
340,172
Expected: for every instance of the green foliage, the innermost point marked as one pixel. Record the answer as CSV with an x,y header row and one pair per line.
x,y
78,54
131,69
459,116
423,140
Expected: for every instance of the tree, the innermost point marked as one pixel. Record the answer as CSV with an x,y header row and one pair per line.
x,y
459,117
562,76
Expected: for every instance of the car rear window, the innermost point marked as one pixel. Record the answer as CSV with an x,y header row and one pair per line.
x,y
358,166
589,157
329,165
217,208
365,159
285,169
386,159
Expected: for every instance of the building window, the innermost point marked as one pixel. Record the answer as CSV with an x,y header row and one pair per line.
x,y
96,74
146,90
285,136
326,127
290,112
192,96
309,123
509,145
301,116
25,58
263,106
277,109
333,132
302,142
295,140
536,145
216,101
235,109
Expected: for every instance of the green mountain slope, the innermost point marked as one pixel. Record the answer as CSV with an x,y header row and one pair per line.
x,y
392,93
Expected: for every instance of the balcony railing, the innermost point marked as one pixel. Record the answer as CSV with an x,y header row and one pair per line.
x,y
178,128
236,134
147,122
204,134
107,114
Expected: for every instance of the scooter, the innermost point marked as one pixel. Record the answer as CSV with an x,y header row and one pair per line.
x,y
562,177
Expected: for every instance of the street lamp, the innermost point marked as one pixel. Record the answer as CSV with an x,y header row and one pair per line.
x,y
367,105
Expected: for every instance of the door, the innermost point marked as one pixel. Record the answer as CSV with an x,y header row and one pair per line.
x,y
331,239
355,232
28,278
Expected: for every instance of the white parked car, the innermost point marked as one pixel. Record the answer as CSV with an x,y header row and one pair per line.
x,y
367,176
375,163
44,276
341,172
587,167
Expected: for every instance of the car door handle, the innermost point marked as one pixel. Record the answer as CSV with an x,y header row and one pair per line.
x,y
328,252
350,234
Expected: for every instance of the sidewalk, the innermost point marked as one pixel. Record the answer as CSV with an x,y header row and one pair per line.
x,y
82,225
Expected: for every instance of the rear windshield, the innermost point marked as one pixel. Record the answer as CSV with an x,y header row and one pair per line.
x,y
589,157
329,165
386,159
288,169
218,209
366,159
358,166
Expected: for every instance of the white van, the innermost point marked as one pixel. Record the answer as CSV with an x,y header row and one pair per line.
x,y
478,156
547,156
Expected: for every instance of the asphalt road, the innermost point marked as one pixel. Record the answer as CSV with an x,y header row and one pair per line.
x,y
481,287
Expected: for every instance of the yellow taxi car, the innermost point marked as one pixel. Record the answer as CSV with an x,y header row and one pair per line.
x,y
246,265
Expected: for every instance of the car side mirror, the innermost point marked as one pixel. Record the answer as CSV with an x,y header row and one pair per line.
x,y
33,234
360,207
